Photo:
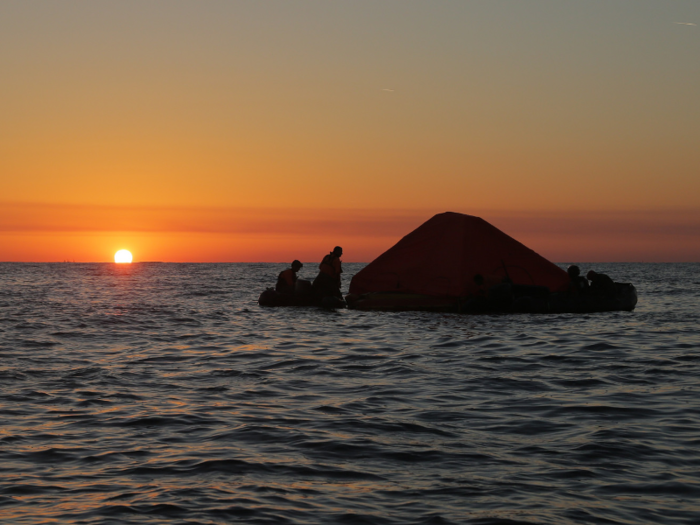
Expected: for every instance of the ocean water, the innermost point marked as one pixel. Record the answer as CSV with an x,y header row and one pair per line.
x,y
162,393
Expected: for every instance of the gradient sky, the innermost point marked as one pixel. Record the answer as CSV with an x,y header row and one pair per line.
x,y
273,130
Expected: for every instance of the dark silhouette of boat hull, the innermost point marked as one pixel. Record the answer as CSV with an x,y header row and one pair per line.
x,y
270,297
501,300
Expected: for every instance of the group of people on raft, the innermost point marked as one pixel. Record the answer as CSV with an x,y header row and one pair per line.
x,y
507,296
600,284
326,283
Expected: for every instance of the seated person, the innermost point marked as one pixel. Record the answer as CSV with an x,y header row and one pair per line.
x,y
287,279
601,284
578,284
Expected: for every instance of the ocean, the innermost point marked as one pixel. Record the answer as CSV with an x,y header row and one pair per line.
x,y
162,393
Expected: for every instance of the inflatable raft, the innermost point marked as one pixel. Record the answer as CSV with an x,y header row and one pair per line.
x,y
270,297
303,295
504,298
461,263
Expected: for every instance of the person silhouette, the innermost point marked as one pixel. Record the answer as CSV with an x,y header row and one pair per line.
x,y
601,284
287,279
578,284
327,282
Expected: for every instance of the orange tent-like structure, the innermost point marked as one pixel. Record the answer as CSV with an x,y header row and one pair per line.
x,y
441,258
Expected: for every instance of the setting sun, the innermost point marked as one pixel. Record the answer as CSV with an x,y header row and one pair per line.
x,y
123,256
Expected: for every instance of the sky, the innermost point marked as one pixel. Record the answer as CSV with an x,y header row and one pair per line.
x,y
241,131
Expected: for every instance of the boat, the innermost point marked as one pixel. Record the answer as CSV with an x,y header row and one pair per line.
x,y
624,299
513,299
303,296
461,263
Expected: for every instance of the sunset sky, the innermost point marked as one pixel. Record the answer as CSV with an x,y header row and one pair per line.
x,y
274,130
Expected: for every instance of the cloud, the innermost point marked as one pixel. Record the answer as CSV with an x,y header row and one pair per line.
x,y
685,23
272,234
387,89
49,217
677,224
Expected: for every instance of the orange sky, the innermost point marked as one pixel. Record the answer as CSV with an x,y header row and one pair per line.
x,y
239,131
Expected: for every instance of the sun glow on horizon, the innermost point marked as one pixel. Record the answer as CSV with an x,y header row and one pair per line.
x,y
123,256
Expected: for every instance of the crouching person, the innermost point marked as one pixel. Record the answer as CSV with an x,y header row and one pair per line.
x,y
601,284
287,279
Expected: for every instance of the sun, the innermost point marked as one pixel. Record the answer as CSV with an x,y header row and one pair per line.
x,y
123,256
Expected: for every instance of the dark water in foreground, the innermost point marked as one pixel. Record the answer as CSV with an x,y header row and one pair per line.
x,y
162,393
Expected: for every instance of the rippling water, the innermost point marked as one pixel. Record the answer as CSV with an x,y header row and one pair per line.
x,y
154,393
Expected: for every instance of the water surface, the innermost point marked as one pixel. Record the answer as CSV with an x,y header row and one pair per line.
x,y
162,393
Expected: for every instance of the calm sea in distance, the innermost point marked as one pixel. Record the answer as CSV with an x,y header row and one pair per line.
x,y
162,393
